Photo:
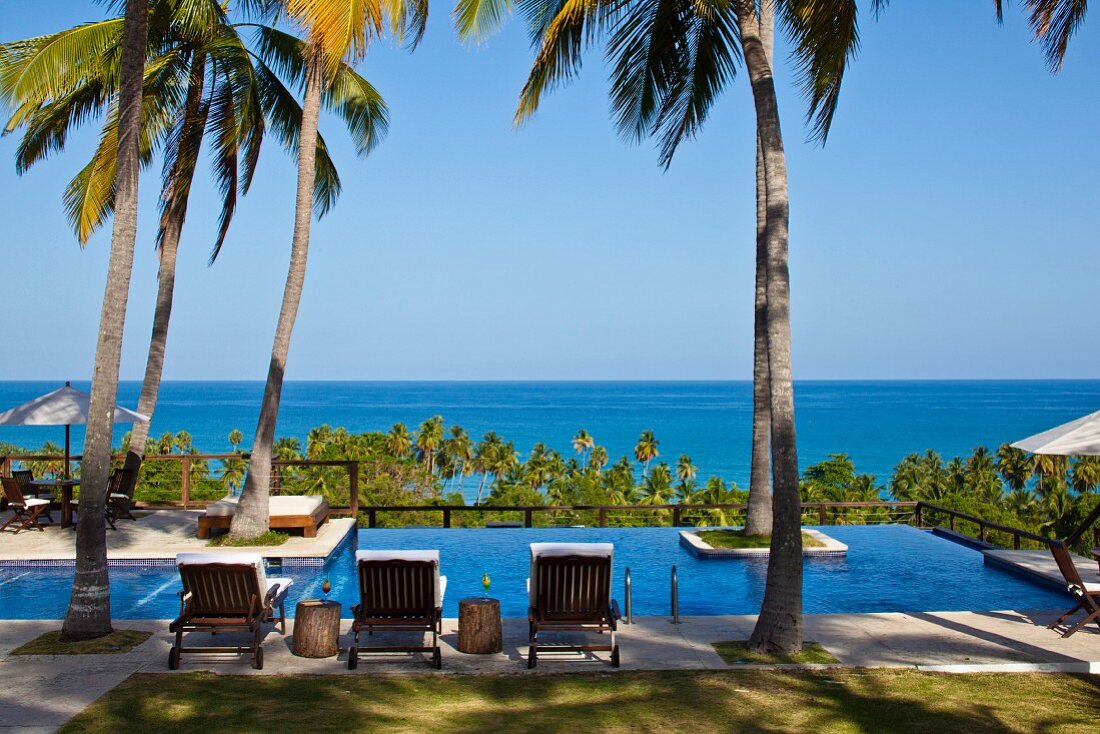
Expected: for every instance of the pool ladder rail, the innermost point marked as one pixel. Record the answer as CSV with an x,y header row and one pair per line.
x,y
628,589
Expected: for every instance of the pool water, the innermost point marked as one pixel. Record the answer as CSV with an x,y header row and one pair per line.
x,y
890,568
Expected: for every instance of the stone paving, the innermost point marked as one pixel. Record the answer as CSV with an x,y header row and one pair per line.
x,y
40,693
159,534
1039,565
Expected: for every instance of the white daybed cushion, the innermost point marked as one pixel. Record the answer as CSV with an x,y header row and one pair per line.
x,y
408,555
241,558
277,506
35,502
598,550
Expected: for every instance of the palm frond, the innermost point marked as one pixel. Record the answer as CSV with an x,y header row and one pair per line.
x,y
89,198
564,29
48,126
476,20
1055,22
47,67
361,106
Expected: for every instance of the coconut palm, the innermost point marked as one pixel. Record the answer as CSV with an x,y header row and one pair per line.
x,y
646,451
1085,473
89,612
230,94
483,459
398,441
598,458
1051,471
980,476
685,470
459,452
583,443
669,61
1014,466
235,438
338,32
428,440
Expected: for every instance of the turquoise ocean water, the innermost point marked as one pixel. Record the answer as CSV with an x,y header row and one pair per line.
x,y
876,423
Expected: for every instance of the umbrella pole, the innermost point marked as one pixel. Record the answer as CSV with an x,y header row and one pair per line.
x,y
66,472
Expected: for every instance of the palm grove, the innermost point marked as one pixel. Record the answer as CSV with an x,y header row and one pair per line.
x,y
170,76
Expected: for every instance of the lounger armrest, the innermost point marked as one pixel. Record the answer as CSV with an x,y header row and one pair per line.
x,y
615,613
276,592
185,597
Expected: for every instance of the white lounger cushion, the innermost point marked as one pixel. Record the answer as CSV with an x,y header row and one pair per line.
x,y
597,550
408,555
238,558
277,506
1091,587
34,502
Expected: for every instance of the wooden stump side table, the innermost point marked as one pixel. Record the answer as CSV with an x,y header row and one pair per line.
x,y
479,631
317,628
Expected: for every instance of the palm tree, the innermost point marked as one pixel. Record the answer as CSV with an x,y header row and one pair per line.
x,y
646,451
1055,22
459,451
232,95
1085,473
338,31
428,440
685,470
235,438
483,459
1014,466
398,441
583,443
598,458
669,62
89,612
980,476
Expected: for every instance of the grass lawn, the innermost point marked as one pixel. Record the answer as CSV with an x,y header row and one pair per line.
x,y
118,641
738,653
738,539
743,701
271,537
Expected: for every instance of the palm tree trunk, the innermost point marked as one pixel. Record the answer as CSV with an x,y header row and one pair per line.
x,y
171,226
251,516
89,613
779,626
758,519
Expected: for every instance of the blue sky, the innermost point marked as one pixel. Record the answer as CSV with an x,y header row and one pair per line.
x,y
949,229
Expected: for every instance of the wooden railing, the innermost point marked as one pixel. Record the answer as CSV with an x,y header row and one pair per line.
x,y
675,512
186,482
985,527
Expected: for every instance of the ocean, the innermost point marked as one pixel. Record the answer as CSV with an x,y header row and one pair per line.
x,y
876,423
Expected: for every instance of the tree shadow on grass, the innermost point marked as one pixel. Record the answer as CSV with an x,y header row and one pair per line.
x,y
749,701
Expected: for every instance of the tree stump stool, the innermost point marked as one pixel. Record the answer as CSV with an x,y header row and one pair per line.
x,y
317,628
479,630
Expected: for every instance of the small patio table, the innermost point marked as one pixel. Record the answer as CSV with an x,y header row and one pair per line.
x,y
66,486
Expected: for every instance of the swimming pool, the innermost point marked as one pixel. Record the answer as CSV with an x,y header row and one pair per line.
x,y
890,568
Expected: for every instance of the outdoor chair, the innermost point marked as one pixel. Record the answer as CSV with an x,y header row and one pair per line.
x,y
1087,594
118,501
569,590
25,511
226,592
25,479
399,591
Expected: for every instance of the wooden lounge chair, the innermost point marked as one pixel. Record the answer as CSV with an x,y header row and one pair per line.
x,y
24,510
570,590
116,498
399,591
226,592
1087,594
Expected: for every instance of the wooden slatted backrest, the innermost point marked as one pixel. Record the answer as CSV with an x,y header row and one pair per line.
x,y
222,589
13,491
576,588
1066,564
120,483
396,588
23,477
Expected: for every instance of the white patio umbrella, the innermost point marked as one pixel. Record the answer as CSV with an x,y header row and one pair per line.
x,y
1076,438
65,406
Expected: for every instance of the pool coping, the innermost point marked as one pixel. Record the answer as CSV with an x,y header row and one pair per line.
x,y
698,547
328,545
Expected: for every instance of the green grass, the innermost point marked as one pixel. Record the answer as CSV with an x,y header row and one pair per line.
x,y
119,641
836,701
271,537
738,539
738,653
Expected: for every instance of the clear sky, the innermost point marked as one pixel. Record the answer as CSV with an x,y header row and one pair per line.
x,y
949,229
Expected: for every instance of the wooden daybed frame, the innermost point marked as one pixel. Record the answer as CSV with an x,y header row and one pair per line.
x,y
308,524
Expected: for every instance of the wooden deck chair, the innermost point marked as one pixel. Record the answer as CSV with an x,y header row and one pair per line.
x,y
226,592
120,495
116,498
1086,594
24,510
25,478
399,591
570,590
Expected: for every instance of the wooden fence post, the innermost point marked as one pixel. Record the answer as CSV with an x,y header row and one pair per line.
x,y
918,515
446,517
185,480
353,489
528,518
5,466
603,517
372,517
676,516
822,517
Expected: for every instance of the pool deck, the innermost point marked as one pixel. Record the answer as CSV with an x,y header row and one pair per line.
x,y
158,535
1039,565
43,692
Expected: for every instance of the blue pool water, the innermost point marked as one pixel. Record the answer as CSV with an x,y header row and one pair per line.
x,y
888,569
